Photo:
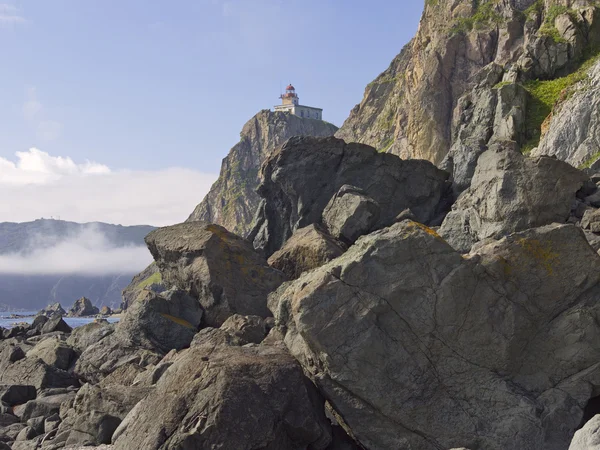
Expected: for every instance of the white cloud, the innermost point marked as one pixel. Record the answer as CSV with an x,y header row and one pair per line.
x,y
40,185
87,253
10,15
37,167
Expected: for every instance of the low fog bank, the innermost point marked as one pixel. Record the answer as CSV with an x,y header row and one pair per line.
x,y
88,252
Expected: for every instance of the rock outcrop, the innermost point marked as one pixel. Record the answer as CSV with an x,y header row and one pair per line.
x,y
147,279
55,309
509,193
219,396
300,179
232,200
218,268
451,90
153,325
82,308
421,348
307,249
573,130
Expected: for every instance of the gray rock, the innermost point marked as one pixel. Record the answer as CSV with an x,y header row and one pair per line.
x,y
106,311
484,115
350,214
35,372
232,199
7,419
587,438
26,434
218,268
97,412
86,335
152,326
299,180
509,193
220,396
17,394
37,423
55,309
421,348
248,329
168,320
574,126
43,407
82,308
51,423
591,220
307,249
54,352
56,323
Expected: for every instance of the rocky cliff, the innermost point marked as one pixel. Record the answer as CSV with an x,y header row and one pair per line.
x,y
471,76
232,200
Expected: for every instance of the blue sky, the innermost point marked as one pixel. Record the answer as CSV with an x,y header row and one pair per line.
x,y
148,83
145,85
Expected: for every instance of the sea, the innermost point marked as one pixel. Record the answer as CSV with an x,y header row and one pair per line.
x,y
9,320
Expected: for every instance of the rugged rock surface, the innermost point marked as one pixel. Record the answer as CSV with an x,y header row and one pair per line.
x,y
308,248
509,193
573,131
232,200
147,279
220,396
300,178
588,438
351,214
247,329
218,268
82,308
96,413
152,326
55,309
86,335
421,348
439,94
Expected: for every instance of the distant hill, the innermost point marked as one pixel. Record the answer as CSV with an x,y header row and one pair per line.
x,y
48,261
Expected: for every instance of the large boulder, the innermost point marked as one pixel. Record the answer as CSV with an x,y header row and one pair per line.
x,y
422,348
54,352
56,323
220,396
55,309
19,369
96,413
86,335
307,249
16,394
511,192
83,308
152,326
217,267
246,329
300,178
350,214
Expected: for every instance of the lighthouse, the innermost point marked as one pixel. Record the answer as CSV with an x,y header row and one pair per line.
x,y
290,102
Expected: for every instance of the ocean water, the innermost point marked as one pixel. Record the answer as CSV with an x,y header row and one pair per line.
x,y
7,320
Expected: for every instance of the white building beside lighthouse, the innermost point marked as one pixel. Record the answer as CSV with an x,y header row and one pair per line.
x,y
290,102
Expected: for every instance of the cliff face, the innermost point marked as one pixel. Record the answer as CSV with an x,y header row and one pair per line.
x,y
572,132
452,88
232,200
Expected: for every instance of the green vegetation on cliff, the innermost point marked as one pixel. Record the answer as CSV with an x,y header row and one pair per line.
x,y
155,278
545,94
484,15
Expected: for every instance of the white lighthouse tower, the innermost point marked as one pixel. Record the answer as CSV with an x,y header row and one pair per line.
x,y
290,102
